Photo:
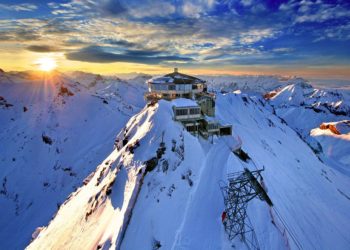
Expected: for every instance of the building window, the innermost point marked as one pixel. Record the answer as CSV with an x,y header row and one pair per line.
x,y
212,126
171,87
181,112
159,87
195,111
192,128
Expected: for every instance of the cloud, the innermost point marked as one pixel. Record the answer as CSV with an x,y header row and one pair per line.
x,y
112,7
150,8
256,35
99,54
119,42
19,35
18,7
76,9
315,11
29,29
196,8
191,10
323,13
342,33
191,32
282,50
133,8
246,2
43,48
229,53
56,26
53,5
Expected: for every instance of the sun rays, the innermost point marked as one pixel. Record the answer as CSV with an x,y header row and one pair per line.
x,y
46,64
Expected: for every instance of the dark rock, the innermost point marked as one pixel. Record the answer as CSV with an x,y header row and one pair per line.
x,y
151,164
156,244
125,141
242,155
47,139
64,91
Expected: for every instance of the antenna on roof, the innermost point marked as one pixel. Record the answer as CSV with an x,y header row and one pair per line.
x,y
176,70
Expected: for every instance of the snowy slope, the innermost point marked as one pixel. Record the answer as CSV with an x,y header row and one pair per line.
x,y
302,188
111,210
178,204
78,123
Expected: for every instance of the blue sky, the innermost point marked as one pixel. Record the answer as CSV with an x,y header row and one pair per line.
x,y
190,34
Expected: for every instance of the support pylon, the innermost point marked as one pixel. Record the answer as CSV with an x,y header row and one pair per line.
x,y
242,187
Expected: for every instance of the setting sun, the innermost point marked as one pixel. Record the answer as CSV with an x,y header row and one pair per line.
x,y
46,64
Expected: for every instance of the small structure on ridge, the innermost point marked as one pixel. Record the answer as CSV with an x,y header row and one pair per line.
x,y
175,85
193,105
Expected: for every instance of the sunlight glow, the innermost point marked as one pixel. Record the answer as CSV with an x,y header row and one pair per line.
x,y
46,64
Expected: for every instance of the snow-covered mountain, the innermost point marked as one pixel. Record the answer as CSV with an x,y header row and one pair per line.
x,y
159,187
305,109
87,165
249,83
320,100
55,129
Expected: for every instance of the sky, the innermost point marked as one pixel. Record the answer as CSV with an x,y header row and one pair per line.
x,y
305,38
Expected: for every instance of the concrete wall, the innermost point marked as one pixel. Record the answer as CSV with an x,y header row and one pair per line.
x,y
207,106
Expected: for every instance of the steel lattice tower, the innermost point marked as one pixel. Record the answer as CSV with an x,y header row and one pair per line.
x,y
241,188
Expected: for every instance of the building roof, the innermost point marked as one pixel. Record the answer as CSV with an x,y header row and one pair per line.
x,y
177,78
161,80
215,119
180,78
211,119
183,102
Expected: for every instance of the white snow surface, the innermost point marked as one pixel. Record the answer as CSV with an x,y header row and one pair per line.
x,y
161,80
184,102
179,203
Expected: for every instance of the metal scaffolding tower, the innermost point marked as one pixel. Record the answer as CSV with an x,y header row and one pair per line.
x,y
242,187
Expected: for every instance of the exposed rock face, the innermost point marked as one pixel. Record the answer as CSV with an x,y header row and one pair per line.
x,y
338,128
4,103
64,91
331,127
269,95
